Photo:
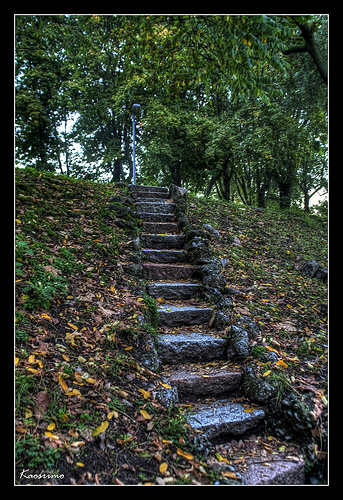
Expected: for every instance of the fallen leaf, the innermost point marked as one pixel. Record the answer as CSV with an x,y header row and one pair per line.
x,y
145,414
72,326
63,384
65,357
163,467
281,363
45,316
266,373
28,413
102,427
248,410
51,427
80,464
74,392
166,386
146,394
50,435
129,348
184,454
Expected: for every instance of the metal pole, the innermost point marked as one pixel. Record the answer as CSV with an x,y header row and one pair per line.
x,y
133,148
134,108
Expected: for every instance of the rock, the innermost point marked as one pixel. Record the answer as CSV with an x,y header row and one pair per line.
x,y
222,320
312,269
198,252
256,389
238,343
147,354
167,397
248,325
212,231
236,241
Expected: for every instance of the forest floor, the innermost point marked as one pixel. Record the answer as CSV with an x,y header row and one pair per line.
x,y
86,408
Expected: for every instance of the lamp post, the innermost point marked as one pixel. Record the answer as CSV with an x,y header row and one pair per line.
x,y
134,109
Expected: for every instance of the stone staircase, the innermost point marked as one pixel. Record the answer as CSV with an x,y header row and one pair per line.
x,y
193,353
171,279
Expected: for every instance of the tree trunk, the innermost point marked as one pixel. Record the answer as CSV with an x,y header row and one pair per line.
x,y
285,194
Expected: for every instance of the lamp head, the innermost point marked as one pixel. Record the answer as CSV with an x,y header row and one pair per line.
x,y
135,108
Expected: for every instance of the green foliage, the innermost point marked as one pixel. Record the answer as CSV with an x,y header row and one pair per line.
x,y
232,106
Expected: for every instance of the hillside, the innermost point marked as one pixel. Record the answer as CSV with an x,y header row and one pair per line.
x,y
78,335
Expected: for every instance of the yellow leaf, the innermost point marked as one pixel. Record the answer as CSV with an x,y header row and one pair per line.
x,y
267,373
163,467
129,348
222,459
271,349
140,299
32,359
282,448
146,394
166,386
244,41
248,410
16,360
135,316
80,464
72,326
169,309
110,415
65,357
46,316
229,474
102,427
51,427
112,289
28,413
227,18
18,221
281,363
50,435
160,299
76,444
184,454
90,380
63,384
74,392
145,414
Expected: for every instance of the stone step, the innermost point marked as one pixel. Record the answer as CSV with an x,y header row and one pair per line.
x,y
136,187
160,227
223,418
174,291
191,347
281,471
164,256
145,199
196,382
159,272
184,315
156,195
155,207
162,241
153,217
